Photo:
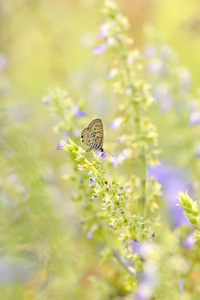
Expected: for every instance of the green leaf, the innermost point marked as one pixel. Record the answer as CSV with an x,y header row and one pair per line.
x,y
195,209
191,218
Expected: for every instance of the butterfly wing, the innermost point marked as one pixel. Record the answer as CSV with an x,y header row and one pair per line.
x,y
86,137
96,130
92,135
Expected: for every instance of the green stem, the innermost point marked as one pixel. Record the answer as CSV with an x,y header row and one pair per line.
x,y
142,157
143,183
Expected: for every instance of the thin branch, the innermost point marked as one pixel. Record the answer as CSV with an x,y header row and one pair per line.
x,y
124,264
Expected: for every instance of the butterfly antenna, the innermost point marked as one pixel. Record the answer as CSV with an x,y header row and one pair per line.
x,y
110,153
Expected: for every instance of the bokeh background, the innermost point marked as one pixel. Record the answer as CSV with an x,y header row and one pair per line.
x,y
45,44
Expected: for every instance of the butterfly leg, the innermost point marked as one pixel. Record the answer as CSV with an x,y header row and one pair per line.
x,y
89,149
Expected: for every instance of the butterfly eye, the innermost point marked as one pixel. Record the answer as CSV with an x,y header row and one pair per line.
x,y
82,136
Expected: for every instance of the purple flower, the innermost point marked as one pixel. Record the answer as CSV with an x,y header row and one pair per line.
x,y
76,133
197,150
92,181
164,98
189,242
142,249
194,118
147,283
89,235
172,180
77,113
166,105
14,271
149,51
181,284
156,67
128,91
92,229
111,42
165,51
103,33
121,157
99,49
67,134
61,144
103,155
116,123
185,80
136,247
192,106
3,62
111,74
46,100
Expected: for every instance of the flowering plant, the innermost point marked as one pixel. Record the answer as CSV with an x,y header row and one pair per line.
x,y
100,225
130,207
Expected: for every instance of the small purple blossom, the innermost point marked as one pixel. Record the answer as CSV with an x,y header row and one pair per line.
x,y
165,51
80,114
194,118
46,100
3,62
136,247
103,33
121,157
185,80
89,235
92,181
67,134
164,98
14,271
143,250
149,51
111,74
61,144
103,155
147,283
172,180
197,150
111,42
128,91
156,67
130,59
166,105
192,106
76,133
92,229
181,285
189,242
99,49
77,113
116,123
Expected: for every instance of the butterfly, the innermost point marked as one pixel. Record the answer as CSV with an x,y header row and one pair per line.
x,y
92,135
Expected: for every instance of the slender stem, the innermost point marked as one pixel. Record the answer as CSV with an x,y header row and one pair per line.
x,y
142,157
61,112
124,264
143,182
